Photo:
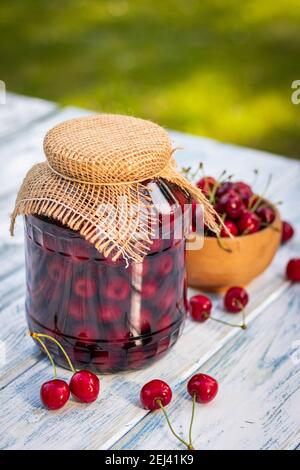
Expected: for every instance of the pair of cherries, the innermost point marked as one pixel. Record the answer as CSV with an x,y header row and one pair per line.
x,y
84,385
243,211
235,301
157,394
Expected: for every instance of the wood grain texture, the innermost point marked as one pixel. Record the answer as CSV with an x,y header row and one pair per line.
x,y
21,111
258,402
103,424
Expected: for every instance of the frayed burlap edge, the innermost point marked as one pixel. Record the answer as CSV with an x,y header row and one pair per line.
x,y
127,234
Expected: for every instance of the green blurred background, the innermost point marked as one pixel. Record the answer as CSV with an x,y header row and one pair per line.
x,y
222,69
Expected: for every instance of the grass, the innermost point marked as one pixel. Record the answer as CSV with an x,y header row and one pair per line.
x,y
217,68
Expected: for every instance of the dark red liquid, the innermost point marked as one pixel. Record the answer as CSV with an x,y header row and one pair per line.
x,y
108,317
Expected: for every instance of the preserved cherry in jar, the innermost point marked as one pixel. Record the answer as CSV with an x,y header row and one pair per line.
x,y
111,291
107,316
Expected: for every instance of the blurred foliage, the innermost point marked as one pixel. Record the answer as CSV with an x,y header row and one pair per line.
x,y
220,68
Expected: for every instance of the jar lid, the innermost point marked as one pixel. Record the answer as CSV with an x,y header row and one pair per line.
x,y
93,178
107,148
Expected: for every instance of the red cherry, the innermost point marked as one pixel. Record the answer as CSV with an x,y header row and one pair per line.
x,y
224,188
236,298
206,184
231,228
266,214
39,289
85,287
293,270
253,201
118,332
243,190
76,310
55,270
287,232
248,223
85,386
109,313
200,308
204,387
219,208
168,299
154,391
165,264
55,394
156,245
231,204
117,289
149,288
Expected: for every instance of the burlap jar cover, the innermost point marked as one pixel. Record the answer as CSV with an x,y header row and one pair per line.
x,y
94,161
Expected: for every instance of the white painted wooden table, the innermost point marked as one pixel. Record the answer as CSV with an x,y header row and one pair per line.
x,y
258,406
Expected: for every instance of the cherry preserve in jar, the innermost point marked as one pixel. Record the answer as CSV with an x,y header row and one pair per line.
x,y
95,282
107,316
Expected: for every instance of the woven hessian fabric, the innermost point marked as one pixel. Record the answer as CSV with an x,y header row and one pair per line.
x,y
94,161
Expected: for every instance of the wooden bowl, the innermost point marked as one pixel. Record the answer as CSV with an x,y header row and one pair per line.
x,y
214,269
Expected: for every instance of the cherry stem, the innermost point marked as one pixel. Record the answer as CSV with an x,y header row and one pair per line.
x,y
191,423
201,168
241,306
42,335
188,446
212,194
255,175
261,198
221,244
223,322
186,171
275,229
47,352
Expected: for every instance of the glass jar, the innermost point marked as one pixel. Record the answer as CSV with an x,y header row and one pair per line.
x,y
108,316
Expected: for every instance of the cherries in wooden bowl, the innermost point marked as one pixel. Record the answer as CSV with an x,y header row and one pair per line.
x,y
248,240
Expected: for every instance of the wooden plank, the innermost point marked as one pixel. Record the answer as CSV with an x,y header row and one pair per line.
x,y
258,402
21,111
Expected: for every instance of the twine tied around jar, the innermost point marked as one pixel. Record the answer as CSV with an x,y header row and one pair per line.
x,y
93,181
